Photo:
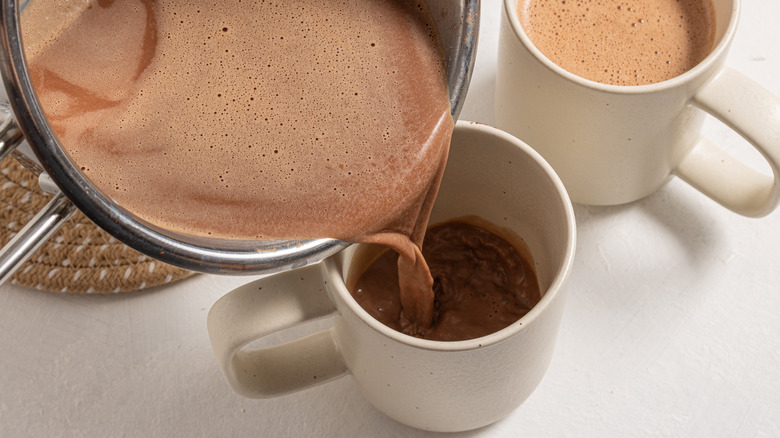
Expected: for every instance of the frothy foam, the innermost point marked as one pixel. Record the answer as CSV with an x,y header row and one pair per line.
x,y
621,43
249,120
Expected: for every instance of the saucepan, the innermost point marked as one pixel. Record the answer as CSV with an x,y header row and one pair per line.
x,y
25,133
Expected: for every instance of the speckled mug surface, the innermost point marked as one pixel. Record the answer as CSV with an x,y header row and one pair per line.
x,y
431,385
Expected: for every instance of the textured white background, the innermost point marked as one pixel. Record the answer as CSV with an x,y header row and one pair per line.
x,y
672,326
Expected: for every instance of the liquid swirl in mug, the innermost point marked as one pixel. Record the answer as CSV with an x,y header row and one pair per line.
x,y
484,282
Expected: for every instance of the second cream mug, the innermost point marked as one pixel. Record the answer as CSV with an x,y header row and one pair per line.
x,y
613,144
432,385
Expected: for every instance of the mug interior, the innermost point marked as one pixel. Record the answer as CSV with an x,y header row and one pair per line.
x,y
726,17
494,176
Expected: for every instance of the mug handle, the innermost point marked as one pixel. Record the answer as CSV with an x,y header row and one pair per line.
x,y
754,113
262,307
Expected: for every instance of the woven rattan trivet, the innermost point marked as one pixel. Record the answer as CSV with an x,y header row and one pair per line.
x,y
80,257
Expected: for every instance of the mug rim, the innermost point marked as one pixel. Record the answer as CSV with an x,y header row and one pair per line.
x,y
332,271
717,52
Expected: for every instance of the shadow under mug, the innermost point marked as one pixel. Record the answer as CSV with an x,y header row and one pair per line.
x,y
613,144
432,385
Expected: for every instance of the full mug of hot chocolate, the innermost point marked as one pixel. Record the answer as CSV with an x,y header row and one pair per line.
x,y
429,384
613,95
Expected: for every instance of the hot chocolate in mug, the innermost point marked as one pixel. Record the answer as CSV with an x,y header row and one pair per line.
x,y
432,385
613,144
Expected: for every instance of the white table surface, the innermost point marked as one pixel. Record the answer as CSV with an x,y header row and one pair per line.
x,y
671,328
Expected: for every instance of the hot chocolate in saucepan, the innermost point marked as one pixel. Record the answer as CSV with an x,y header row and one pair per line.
x,y
266,119
230,119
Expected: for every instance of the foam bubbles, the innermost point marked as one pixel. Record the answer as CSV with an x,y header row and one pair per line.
x,y
631,43
247,110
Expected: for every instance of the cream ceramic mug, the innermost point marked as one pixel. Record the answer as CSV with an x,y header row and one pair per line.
x,y
614,144
432,385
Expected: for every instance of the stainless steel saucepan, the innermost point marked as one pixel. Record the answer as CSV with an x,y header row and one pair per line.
x,y
22,118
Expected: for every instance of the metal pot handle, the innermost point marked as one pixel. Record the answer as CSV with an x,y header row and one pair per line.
x,y
22,246
10,134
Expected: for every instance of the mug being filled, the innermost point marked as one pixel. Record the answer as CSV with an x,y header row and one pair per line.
x,y
614,94
419,382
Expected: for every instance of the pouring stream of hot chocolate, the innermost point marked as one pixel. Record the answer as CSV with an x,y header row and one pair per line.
x,y
267,119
